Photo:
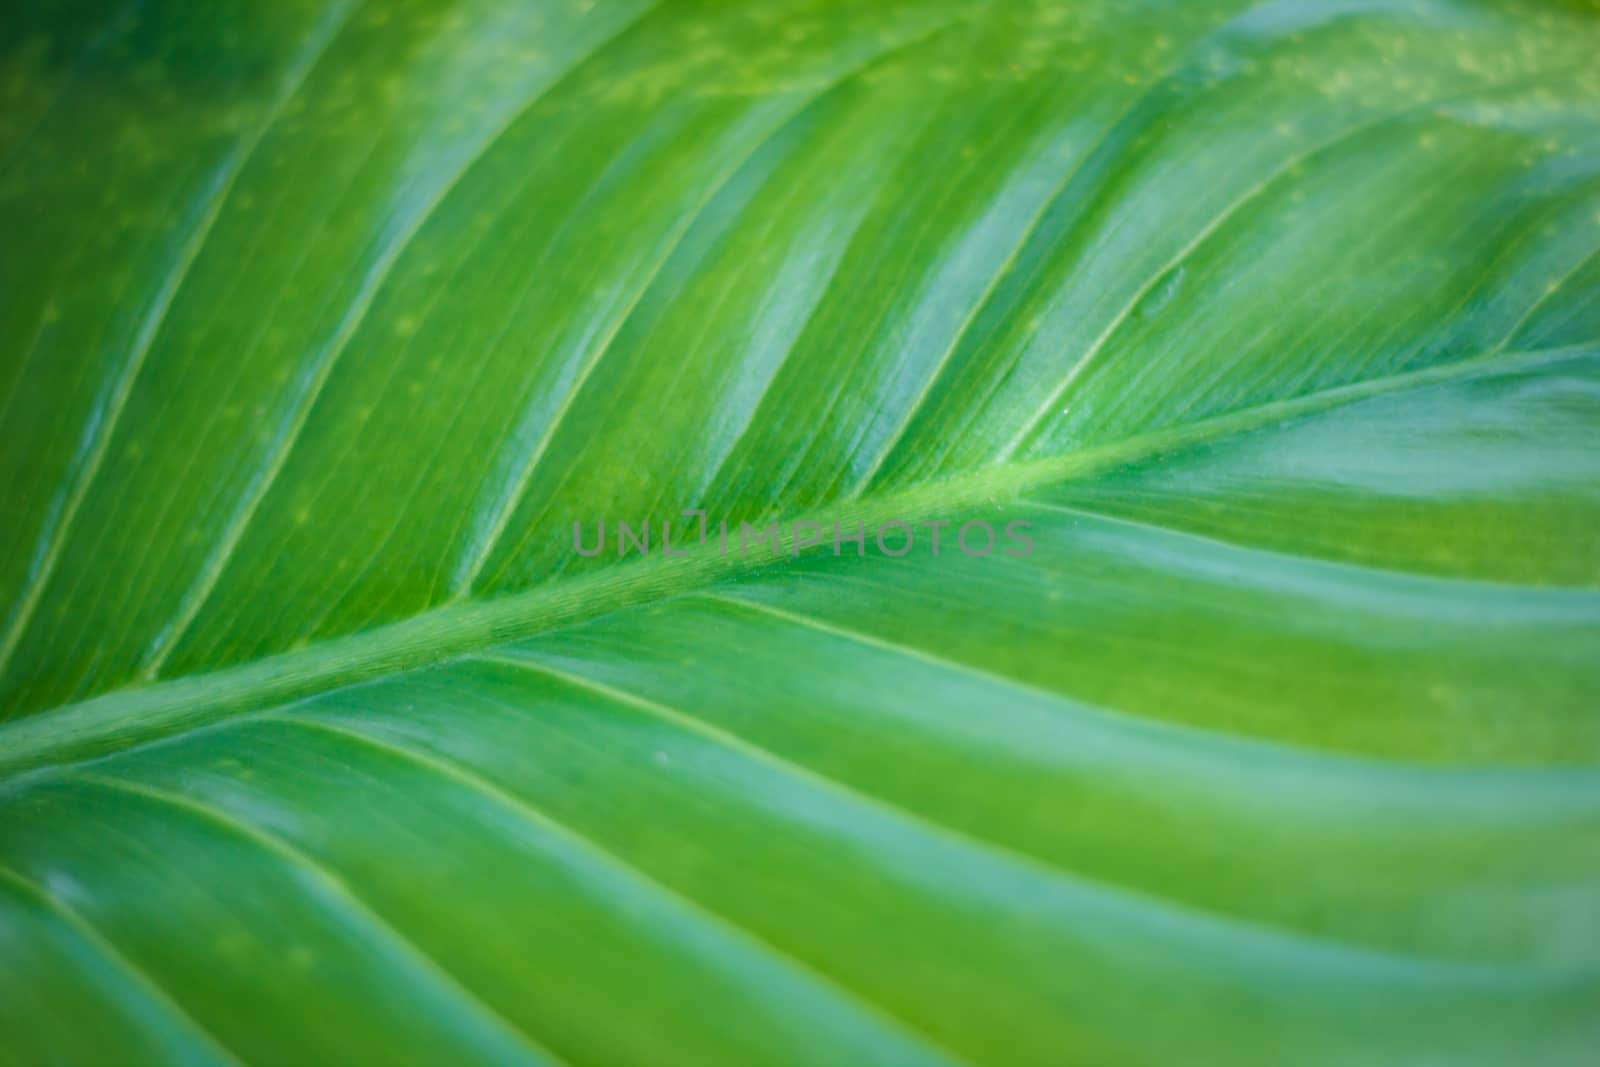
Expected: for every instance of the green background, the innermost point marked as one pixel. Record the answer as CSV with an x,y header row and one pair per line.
x,y
322,323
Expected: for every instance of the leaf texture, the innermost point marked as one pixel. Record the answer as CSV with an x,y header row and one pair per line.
x,y
324,322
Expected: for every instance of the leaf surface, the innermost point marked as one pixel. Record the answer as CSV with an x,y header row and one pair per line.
x,y
325,322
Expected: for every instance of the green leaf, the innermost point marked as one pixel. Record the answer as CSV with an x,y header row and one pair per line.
x,y
324,322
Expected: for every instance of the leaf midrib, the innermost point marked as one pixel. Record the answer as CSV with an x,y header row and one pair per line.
x,y
124,718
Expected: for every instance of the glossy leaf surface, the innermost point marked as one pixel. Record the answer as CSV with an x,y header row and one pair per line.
x,y
322,324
